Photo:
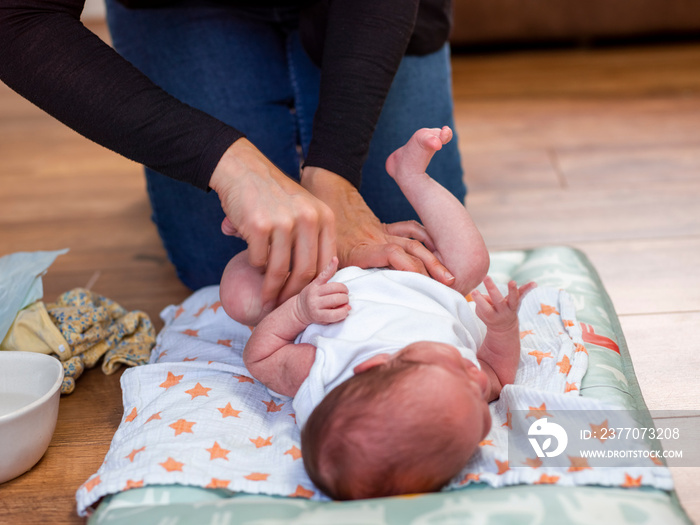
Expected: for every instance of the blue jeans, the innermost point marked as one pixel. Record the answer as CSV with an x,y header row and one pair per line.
x,y
247,68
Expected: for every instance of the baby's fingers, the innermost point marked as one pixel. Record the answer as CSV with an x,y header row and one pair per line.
x,y
516,294
492,289
482,302
327,272
513,298
335,309
331,301
332,288
526,288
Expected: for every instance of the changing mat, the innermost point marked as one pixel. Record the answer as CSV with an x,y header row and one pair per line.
x,y
609,378
194,416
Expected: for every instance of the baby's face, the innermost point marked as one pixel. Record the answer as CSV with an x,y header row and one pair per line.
x,y
460,386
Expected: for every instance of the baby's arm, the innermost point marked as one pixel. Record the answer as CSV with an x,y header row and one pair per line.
x,y
499,354
271,355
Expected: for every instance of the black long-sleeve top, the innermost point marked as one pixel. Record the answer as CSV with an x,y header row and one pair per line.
x,y
50,58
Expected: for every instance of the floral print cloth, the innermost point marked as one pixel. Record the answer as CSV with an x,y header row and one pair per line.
x,y
96,327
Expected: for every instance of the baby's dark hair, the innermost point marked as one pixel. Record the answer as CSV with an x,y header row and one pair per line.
x,y
405,443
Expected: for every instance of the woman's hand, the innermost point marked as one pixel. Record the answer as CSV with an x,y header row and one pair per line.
x,y
290,233
362,240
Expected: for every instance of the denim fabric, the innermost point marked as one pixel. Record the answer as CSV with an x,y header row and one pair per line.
x,y
247,68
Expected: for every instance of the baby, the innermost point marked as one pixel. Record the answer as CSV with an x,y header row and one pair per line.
x,y
390,371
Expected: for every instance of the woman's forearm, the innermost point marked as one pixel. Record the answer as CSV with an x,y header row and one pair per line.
x,y
55,62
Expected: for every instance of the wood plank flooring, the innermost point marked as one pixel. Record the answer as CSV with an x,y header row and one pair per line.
x,y
598,149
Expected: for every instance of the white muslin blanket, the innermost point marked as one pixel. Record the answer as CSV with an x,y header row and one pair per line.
x,y
194,416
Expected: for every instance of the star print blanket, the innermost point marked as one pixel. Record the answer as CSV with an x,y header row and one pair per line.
x,y
194,416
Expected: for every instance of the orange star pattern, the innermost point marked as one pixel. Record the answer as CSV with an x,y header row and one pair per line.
x,y
534,463
600,432
186,359
569,387
487,442
509,420
502,467
179,312
228,411
224,342
182,426
294,452
469,477
564,365
244,379
91,484
580,348
131,484
171,465
538,412
218,483
631,482
216,452
546,480
216,306
301,492
260,441
256,476
272,406
525,333
153,417
193,333
656,461
578,463
567,322
133,453
469,298
545,309
172,380
540,355
199,312
131,416
198,390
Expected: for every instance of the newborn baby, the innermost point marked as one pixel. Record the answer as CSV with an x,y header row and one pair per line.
x,y
390,371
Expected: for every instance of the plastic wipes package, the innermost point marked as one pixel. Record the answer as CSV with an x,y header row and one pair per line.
x,y
20,283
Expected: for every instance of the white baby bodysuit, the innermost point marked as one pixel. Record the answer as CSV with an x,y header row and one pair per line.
x,y
389,310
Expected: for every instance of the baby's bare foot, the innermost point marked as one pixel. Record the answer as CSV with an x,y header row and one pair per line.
x,y
413,158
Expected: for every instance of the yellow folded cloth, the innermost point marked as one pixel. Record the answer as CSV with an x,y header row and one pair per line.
x,y
34,331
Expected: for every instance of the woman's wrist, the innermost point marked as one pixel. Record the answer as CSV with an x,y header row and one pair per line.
x,y
320,182
241,151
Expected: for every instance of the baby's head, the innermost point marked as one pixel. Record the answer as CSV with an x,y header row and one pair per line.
x,y
404,423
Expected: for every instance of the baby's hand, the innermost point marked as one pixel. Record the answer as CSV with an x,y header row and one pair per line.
x,y
322,302
497,312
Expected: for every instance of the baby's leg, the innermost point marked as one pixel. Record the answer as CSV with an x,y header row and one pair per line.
x,y
459,245
241,290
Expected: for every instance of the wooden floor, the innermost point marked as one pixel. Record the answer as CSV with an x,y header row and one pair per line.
x,y
599,149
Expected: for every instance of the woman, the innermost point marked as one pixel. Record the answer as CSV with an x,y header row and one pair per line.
x,y
217,94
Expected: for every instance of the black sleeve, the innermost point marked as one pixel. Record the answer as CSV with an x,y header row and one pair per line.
x,y
363,42
50,58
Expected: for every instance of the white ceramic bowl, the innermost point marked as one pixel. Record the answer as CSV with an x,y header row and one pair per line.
x,y
30,388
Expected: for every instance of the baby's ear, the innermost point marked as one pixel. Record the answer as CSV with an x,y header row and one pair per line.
x,y
373,361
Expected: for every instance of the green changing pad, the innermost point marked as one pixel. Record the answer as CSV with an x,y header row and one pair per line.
x,y
610,377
